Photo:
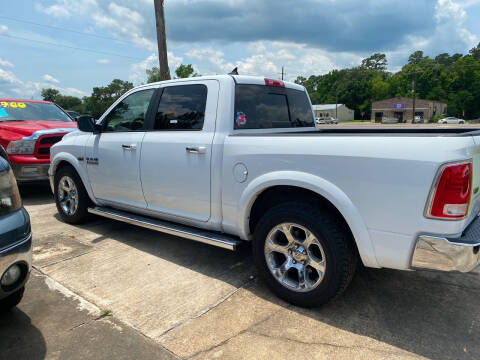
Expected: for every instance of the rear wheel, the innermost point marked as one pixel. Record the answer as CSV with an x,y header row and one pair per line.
x,y
12,300
304,254
71,197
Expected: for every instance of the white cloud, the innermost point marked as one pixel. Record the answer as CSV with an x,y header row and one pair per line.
x,y
103,61
3,29
8,77
5,63
121,18
266,58
11,84
54,10
138,71
50,79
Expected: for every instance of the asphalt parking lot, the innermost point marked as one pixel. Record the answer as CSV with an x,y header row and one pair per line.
x,y
167,297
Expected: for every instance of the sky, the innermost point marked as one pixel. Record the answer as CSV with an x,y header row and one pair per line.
x,y
75,45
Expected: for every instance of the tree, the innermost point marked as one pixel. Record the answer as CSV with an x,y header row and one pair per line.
x,y
182,71
153,75
375,62
475,52
103,97
50,94
185,71
69,102
416,57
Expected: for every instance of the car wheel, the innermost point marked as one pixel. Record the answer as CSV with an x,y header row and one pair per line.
x,y
12,300
304,254
70,195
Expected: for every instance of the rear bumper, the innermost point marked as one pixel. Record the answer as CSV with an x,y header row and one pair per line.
x,y
30,172
449,253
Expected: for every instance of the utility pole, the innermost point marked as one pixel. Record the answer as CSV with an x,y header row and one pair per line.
x,y
283,73
413,91
161,40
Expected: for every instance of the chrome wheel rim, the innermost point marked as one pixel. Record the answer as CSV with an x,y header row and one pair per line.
x,y
67,195
295,257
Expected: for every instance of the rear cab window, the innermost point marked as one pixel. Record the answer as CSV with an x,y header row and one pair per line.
x,y
268,107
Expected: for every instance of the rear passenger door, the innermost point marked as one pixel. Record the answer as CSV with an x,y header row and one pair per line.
x,y
177,150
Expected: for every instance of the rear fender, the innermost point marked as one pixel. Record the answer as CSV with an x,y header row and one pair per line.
x,y
322,187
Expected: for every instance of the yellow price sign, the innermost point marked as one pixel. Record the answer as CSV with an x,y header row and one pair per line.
x,y
13,104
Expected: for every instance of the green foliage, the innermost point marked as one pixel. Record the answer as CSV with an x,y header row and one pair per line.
x,y
453,79
65,101
153,75
182,71
375,62
50,94
185,71
103,97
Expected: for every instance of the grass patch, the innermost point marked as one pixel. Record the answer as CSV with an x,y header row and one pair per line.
x,y
105,313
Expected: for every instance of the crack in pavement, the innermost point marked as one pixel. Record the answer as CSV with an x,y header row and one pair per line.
x,y
207,310
237,334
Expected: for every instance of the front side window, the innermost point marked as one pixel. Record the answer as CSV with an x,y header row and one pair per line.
x,y
129,114
264,107
182,108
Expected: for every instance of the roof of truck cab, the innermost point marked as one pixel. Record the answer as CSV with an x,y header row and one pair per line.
x,y
239,79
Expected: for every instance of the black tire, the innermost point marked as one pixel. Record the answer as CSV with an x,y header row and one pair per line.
x,y
340,254
80,215
12,300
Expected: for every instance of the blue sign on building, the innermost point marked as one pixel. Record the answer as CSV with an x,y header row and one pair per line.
x,y
399,106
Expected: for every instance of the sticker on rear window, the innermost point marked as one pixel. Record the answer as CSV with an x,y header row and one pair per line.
x,y
12,104
241,118
3,113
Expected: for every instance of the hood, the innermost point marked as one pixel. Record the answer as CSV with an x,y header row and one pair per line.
x,y
27,128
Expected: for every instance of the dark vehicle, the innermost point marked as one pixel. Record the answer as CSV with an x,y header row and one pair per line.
x,y
73,114
15,241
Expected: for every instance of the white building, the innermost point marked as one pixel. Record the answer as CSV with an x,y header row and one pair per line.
x,y
328,110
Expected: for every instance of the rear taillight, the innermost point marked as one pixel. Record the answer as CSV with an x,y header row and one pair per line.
x,y
273,82
451,195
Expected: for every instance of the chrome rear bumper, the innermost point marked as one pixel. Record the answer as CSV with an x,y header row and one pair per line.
x,y
449,253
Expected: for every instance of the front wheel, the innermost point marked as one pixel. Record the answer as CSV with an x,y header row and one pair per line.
x,y
70,195
304,253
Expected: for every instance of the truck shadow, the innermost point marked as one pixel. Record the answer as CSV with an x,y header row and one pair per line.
x,y
430,314
36,193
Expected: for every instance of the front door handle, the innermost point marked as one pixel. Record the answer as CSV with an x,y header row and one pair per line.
x,y
131,147
196,149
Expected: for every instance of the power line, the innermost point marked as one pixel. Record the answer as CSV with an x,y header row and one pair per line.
x,y
64,29
71,47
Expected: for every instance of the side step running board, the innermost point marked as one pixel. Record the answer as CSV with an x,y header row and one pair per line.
x,y
187,232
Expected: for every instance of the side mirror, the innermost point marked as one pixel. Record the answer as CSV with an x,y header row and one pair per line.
x,y
87,123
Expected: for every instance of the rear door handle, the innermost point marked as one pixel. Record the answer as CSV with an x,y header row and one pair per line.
x,y
131,147
196,149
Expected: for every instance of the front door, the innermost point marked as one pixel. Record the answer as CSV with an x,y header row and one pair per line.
x,y
399,116
177,152
113,155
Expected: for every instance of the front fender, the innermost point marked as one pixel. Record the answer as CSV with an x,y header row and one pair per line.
x,y
73,161
322,187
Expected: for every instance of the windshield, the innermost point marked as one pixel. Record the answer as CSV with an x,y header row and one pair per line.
x,y
18,111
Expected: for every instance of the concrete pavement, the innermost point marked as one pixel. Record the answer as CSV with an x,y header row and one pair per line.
x,y
201,302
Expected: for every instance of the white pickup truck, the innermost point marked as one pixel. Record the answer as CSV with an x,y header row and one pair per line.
x,y
230,159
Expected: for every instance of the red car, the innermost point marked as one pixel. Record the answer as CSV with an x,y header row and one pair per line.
x,y
28,128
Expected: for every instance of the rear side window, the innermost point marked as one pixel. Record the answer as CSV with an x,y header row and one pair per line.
x,y
265,107
182,108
